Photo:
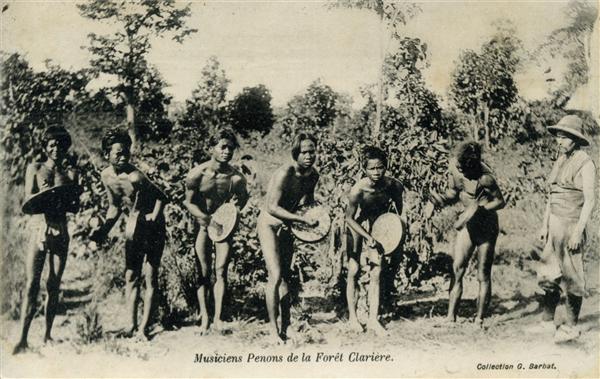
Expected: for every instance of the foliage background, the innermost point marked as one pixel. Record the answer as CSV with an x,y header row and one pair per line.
x,y
418,129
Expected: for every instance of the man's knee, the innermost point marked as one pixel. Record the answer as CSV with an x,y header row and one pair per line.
x,y
375,273
32,288
353,269
52,284
549,286
221,273
274,276
483,277
132,277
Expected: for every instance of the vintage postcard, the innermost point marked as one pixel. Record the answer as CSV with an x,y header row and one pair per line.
x,y
344,188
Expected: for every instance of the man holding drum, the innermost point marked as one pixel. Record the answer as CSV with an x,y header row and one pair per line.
x,y
292,185
209,186
472,181
53,187
145,230
368,199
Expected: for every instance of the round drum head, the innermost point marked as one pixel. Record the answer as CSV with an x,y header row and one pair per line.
x,y
306,233
51,198
223,222
388,231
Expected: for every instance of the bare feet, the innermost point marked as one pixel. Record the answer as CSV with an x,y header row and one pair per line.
x,y
218,325
142,336
355,326
21,347
446,322
478,322
277,339
51,341
376,327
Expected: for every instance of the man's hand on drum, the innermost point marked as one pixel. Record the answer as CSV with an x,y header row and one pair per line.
x,y
310,222
373,243
204,220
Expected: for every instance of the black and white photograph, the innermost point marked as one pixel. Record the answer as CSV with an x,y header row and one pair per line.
x,y
299,188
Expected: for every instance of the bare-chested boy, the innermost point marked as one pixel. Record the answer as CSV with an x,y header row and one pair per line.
x,y
208,186
568,211
50,236
472,181
128,188
369,198
291,185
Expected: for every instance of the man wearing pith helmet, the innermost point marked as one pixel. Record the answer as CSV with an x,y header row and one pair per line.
x,y
569,207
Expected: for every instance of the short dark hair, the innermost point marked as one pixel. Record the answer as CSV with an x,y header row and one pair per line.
x,y
298,140
468,154
223,133
58,133
373,152
113,136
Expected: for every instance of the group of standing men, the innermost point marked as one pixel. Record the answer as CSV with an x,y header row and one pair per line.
x,y
216,182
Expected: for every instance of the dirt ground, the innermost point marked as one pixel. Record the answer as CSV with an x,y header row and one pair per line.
x,y
419,344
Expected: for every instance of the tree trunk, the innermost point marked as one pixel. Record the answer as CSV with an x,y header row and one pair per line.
x,y
379,104
475,127
486,127
131,128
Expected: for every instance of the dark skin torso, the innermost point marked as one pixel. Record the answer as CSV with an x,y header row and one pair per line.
x,y
43,178
125,186
297,188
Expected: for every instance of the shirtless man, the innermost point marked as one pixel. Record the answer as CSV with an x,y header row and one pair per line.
x,y
50,237
472,181
208,186
369,198
127,187
569,208
291,185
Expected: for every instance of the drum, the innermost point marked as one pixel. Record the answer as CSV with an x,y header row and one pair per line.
x,y
313,211
223,222
52,198
388,231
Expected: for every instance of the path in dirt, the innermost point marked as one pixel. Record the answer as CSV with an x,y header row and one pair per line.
x,y
419,344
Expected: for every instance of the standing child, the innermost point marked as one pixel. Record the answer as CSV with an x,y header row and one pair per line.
x,y
472,181
570,205
128,188
50,237
369,198
208,186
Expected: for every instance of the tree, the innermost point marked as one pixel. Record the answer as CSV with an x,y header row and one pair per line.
x,y
402,75
573,44
251,110
316,108
207,107
124,53
484,82
31,101
152,106
393,15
